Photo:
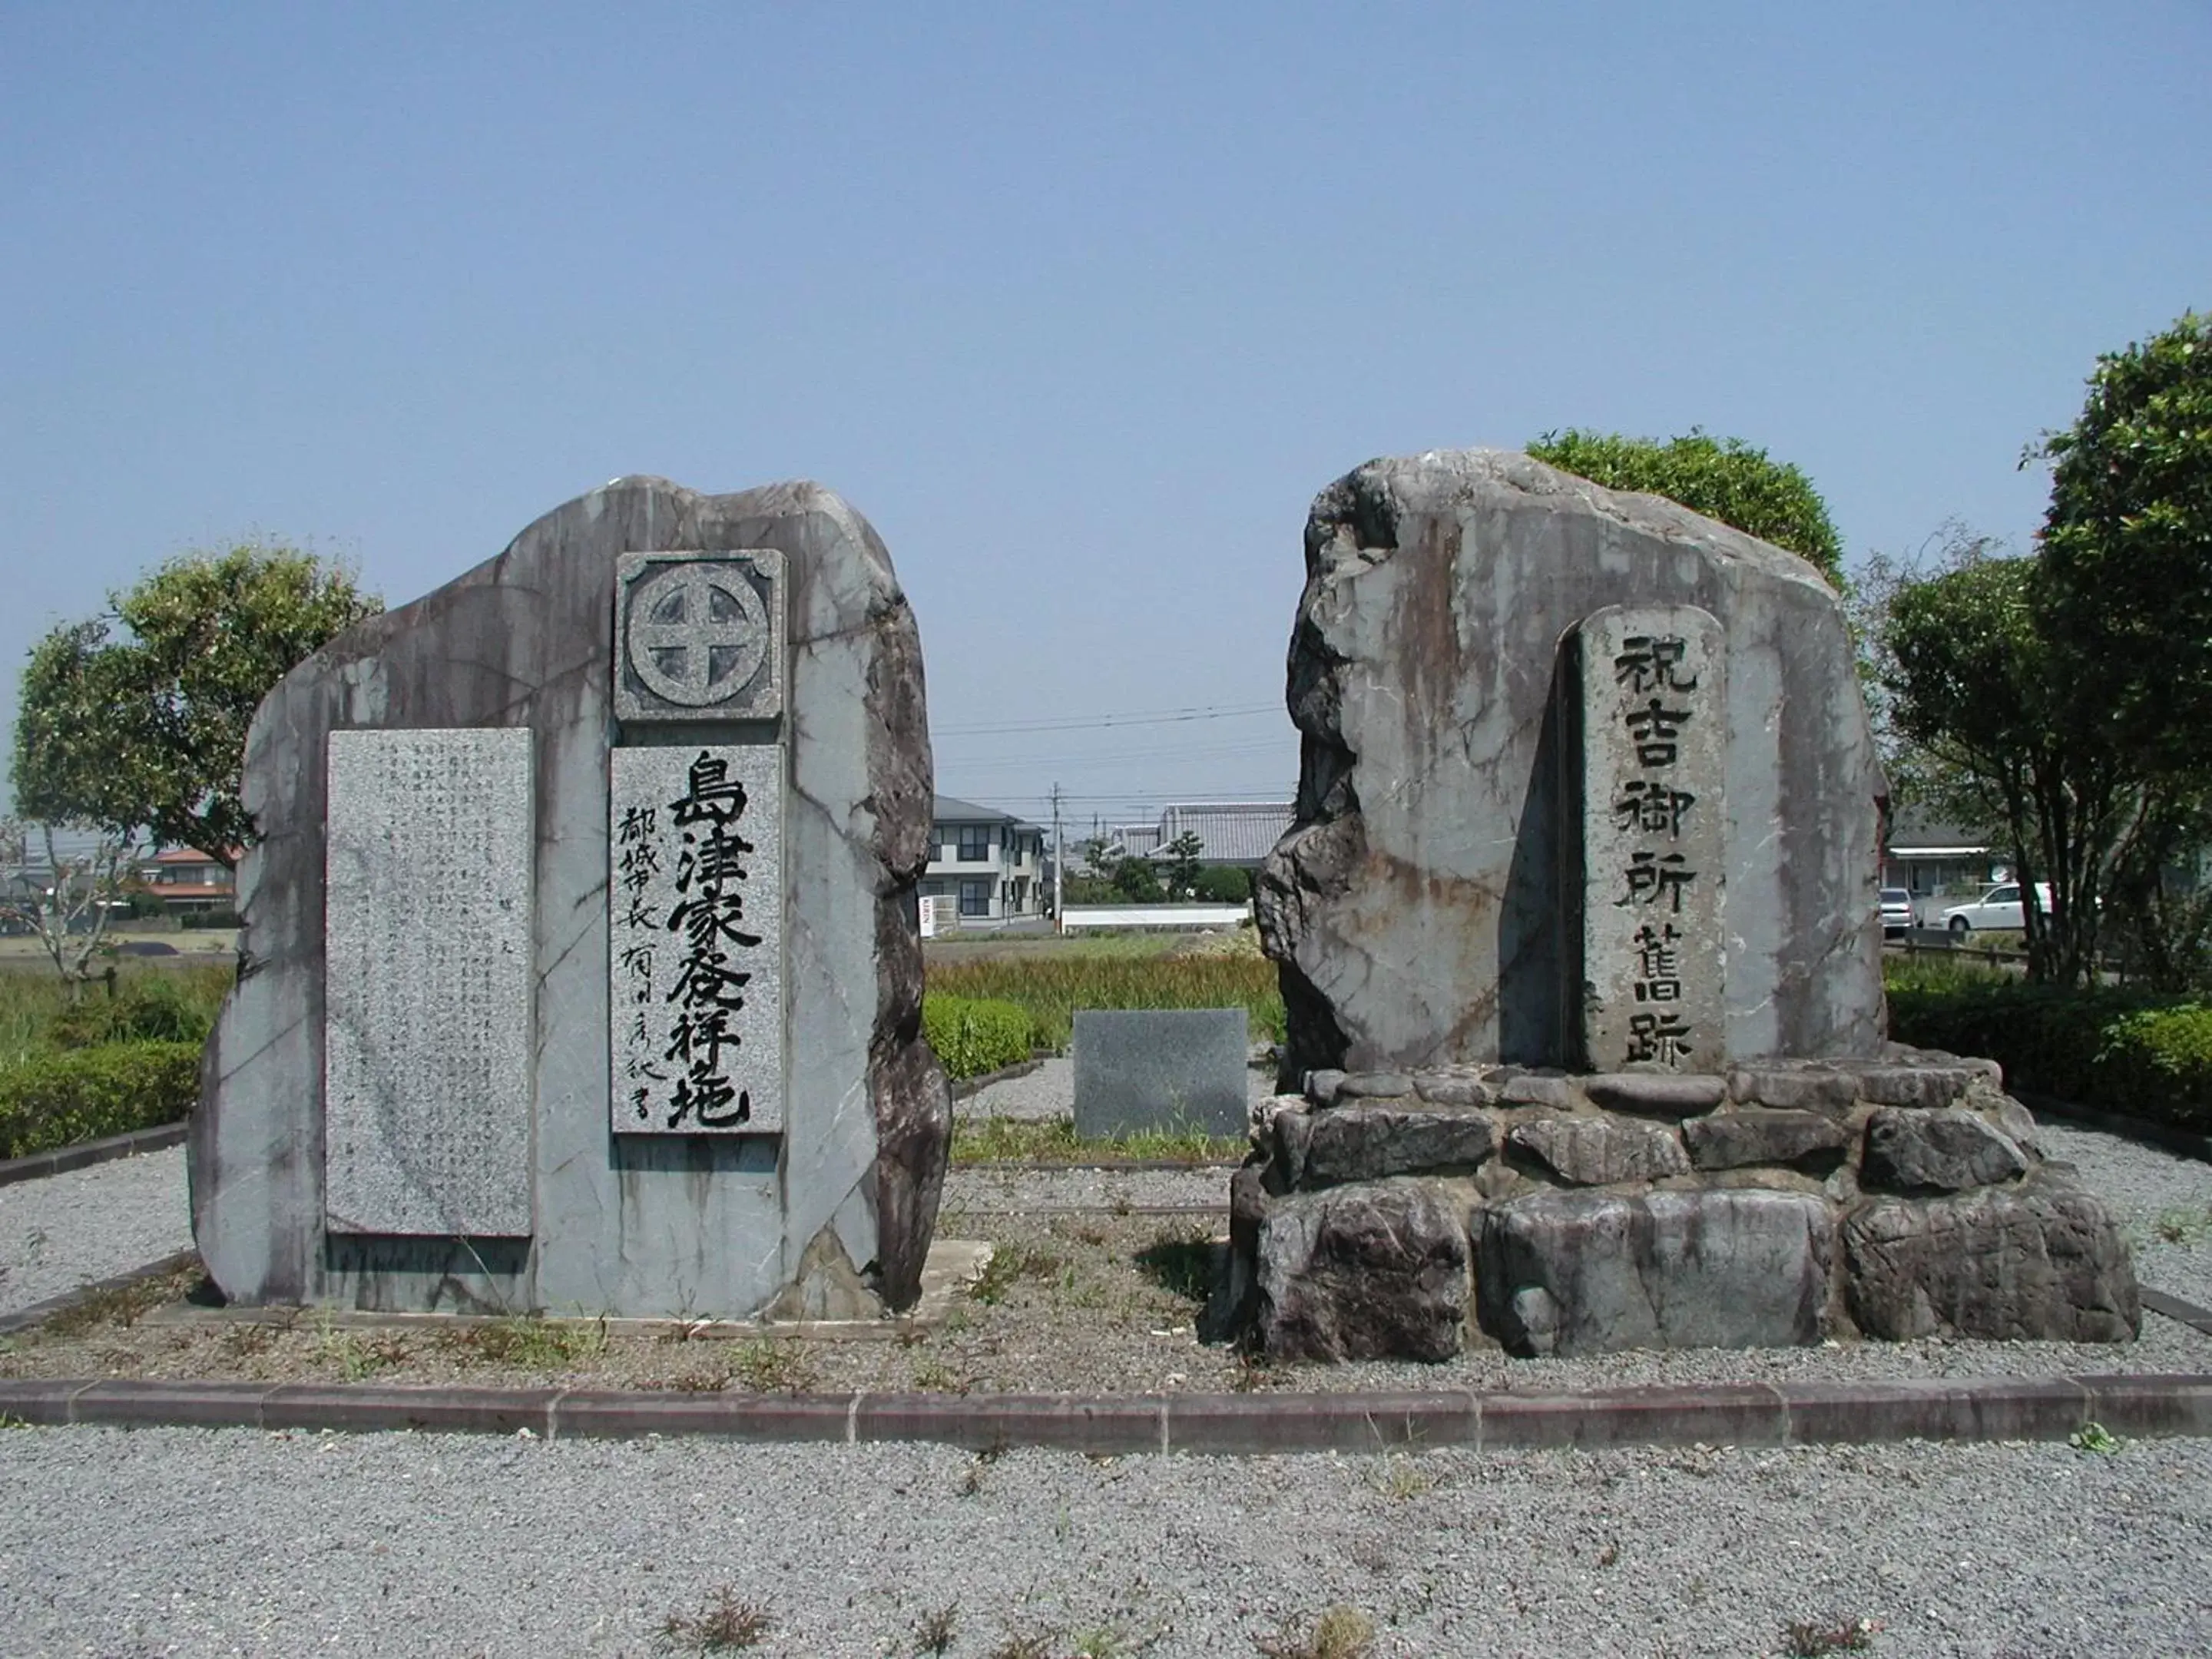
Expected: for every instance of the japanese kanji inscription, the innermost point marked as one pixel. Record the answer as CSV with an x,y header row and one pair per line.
x,y
695,881
1654,765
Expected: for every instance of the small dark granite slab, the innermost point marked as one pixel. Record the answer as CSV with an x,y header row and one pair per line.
x,y
1161,1068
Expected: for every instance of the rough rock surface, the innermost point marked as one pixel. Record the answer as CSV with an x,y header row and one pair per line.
x,y
1413,906
1948,1150
838,1216
1378,1270
1368,1143
1598,1151
2040,1261
1731,1140
1589,1272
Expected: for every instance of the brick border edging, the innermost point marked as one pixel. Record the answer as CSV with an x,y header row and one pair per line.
x,y
2185,1142
61,1159
1233,1424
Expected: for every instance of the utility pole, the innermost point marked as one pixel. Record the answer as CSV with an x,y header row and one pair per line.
x,y
1059,860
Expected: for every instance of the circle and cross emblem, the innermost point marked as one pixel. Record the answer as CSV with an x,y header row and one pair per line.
x,y
698,633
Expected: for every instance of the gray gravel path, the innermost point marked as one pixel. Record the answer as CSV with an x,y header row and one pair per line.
x,y
192,1542
1050,1091
64,1231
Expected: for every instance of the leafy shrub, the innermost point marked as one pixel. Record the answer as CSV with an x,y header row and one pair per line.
x,y
2136,1053
976,1035
84,1094
146,1008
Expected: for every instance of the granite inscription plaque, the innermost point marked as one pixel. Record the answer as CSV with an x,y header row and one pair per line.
x,y
1654,759
695,959
426,1007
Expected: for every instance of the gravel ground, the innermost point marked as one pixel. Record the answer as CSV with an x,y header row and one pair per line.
x,y
190,1542
185,1541
64,1231
1101,1301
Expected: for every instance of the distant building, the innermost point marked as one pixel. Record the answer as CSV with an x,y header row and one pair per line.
x,y
990,864
185,879
1239,834
1924,857
1235,834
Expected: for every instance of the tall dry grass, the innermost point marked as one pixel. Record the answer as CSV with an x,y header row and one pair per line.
x,y
1053,989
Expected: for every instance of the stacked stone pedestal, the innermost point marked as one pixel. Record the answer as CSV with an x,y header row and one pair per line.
x,y
1413,1215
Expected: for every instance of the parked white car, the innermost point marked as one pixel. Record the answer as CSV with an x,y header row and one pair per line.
x,y
1896,912
1998,910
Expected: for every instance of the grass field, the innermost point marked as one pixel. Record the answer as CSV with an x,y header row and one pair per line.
x,y
1051,978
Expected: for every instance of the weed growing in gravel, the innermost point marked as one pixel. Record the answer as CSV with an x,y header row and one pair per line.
x,y
726,1623
357,1355
1398,1477
934,1376
933,1631
1054,1140
118,1304
773,1365
1009,1264
2182,1227
1024,1644
529,1343
2095,1437
247,1340
1813,1639
1341,1633
1101,1642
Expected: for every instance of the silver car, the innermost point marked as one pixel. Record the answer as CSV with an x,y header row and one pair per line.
x,y
1896,913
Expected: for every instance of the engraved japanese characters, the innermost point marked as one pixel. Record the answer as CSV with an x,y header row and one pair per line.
x,y
695,844
696,914
427,1012
1654,712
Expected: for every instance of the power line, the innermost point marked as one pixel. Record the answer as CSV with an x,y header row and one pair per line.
x,y
1094,722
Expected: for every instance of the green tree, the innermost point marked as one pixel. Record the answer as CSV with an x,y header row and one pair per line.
x,y
1724,478
2126,604
1183,854
2124,609
2071,690
137,719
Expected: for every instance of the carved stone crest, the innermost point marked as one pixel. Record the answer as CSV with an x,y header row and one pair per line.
x,y
699,637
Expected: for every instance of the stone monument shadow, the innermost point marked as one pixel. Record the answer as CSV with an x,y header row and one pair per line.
x,y
1537,916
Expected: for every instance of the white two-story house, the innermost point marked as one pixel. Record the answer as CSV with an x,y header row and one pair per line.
x,y
990,864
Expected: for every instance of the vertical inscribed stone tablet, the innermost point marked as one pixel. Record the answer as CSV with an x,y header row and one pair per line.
x,y
1654,762
696,958
426,1011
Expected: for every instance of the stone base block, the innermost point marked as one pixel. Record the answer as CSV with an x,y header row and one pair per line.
x,y
2041,1261
1376,1271
1587,1273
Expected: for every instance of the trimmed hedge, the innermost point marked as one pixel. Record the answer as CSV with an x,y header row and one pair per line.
x,y
2130,1052
85,1094
976,1035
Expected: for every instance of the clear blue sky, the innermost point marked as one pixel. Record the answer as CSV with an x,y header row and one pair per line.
x,y
1080,305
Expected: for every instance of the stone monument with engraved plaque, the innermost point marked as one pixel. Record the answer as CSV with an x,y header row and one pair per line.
x,y
579,972
1578,939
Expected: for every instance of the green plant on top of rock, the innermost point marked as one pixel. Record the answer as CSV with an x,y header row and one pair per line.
x,y
1724,478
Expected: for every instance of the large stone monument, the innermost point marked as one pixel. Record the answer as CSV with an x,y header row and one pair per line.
x,y
1578,937
579,971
